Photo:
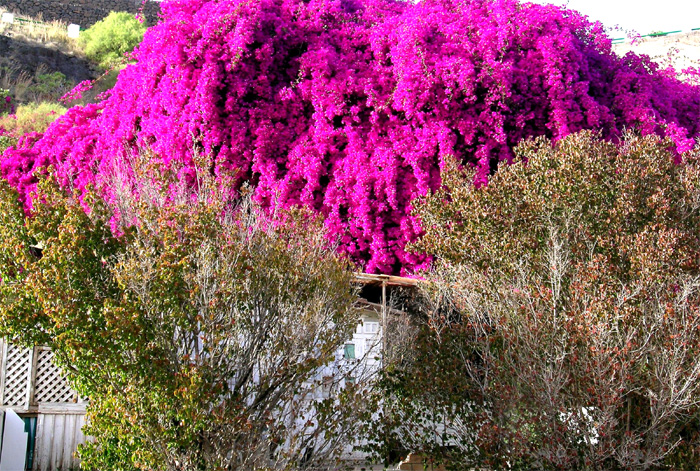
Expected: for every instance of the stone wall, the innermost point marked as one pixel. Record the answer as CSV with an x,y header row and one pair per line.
x,y
82,12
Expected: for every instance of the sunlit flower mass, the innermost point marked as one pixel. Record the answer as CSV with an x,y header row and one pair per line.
x,y
351,108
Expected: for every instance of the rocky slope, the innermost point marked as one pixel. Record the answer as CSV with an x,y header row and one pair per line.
x,y
21,55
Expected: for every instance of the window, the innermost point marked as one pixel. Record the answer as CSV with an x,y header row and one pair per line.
x,y
370,327
349,352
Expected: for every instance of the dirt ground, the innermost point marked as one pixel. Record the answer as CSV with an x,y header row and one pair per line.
x,y
682,50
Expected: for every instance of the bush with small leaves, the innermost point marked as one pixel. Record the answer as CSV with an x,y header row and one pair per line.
x,y
198,333
108,41
562,316
31,118
49,87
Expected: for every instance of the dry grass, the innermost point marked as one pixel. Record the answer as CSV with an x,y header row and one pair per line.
x,y
16,81
50,34
27,88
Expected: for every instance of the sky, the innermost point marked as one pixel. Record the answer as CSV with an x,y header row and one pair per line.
x,y
642,16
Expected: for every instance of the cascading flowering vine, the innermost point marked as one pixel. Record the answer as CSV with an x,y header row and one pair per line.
x,y
351,107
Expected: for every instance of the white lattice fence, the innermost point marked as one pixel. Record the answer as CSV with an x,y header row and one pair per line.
x,y
16,371
29,377
50,385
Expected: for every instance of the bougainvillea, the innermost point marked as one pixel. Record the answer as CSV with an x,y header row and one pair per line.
x,y
6,105
351,108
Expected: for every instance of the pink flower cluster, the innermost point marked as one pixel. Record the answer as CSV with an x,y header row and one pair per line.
x,y
351,107
77,92
6,105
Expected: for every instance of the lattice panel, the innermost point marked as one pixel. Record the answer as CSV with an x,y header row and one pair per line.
x,y
16,376
50,385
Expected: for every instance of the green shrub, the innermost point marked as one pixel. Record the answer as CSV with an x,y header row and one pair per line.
x,y
49,87
24,87
6,141
5,101
107,41
209,324
561,294
34,117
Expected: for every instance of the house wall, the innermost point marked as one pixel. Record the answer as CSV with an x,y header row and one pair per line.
x,y
82,12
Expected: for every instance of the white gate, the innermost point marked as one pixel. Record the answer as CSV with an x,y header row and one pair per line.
x,y
32,386
13,443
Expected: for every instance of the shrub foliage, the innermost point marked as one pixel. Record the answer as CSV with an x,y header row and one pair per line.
x,y
107,41
198,334
27,120
33,117
562,318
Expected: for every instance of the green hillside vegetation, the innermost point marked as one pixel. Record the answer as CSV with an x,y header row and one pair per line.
x,y
106,42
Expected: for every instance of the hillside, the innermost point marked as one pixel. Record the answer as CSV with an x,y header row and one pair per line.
x,y
32,54
682,50
22,55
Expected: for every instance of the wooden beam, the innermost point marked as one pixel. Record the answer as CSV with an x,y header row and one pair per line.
x,y
388,280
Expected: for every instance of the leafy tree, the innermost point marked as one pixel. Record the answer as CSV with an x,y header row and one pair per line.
x,y
562,316
107,41
198,334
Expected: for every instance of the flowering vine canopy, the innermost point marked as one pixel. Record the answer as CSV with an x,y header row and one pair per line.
x,y
352,107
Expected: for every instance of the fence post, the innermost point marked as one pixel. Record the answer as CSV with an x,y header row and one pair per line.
x,y
3,369
34,356
31,375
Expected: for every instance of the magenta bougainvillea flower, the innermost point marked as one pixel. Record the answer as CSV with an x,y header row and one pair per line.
x,y
77,92
351,107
